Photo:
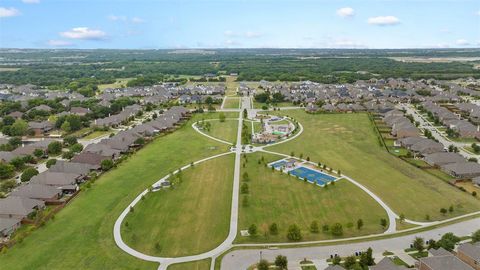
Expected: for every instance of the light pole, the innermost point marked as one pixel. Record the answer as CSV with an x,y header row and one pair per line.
x,y
260,255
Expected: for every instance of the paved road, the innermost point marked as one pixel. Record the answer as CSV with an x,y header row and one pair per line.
x,y
425,124
242,259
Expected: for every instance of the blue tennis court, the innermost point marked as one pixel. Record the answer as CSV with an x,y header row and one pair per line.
x,y
312,175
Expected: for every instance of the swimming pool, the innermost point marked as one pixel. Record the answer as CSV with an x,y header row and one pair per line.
x,y
312,175
279,164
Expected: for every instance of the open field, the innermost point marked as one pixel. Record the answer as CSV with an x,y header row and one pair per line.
x,y
197,265
285,200
82,232
232,103
191,218
231,85
120,82
226,131
348,142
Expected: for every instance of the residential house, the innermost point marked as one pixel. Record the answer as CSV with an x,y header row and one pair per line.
x,y
40,128
89,158
386,264
8,226
19,207
443,158
67,182
80,111
72,167
38,192
462,169
445,262
470,254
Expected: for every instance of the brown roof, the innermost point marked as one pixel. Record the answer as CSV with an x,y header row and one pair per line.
x,y
88,158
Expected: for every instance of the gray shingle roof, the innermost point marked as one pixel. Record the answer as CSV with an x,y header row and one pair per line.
x,y
18,206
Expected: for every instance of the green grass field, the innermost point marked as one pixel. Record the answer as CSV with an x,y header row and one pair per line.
x,y
285,200
232,103
191,218
197,265
96,134
117,84
81,235
226,131
348,142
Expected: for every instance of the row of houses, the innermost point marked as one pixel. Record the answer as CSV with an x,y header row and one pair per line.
x,y
64,177
432,152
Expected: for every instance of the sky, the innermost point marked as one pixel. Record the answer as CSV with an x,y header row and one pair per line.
x,y
149,24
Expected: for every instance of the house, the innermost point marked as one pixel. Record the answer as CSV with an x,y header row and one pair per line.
x,y
80,111
38,192
428,146
19,207
334,267
103,150
470,254
42,107
446,262
8,226
439,252
386,264
67,182
40,128
16,114
72,167
442,158
89,158
462,169
476,181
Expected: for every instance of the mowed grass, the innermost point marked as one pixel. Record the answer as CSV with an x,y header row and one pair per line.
x,y
81,235
231,103
191,218
285,200
226,131
348,142
197,265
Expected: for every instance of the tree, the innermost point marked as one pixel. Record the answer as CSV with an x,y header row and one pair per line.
x,y
294,233
443,211
221,117
383,222
50,162
28,174
402,218
366,259
245,113
336,260
19,128
6,170
68,155
448,241
314,228
17,162
281,262
245,177
106,164
70,140
66,126
38,153
252,230
476,236
244,188
273,229
54,148
359,224
350,261
337,229
263,265
76,148
419,244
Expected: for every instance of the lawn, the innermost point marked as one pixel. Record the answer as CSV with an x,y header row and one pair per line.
x,y
348,142
96,134
191,218
232,103
83,232
119,83
285,200
231,85
197,265
226,131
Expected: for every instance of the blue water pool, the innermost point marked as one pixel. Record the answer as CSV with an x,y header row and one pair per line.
x,y
312,175
279,164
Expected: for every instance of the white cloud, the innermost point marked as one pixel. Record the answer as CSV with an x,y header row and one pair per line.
x,y
229,33
31,1
478,13
8,12
250,34
117,18
346,12
383,20
137,20
462,42
230,42
84,33
59,43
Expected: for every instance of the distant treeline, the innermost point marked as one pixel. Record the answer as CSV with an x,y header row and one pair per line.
x,y
57,69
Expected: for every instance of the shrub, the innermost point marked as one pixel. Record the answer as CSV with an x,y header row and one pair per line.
x,y
28,174
294,233
51,162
